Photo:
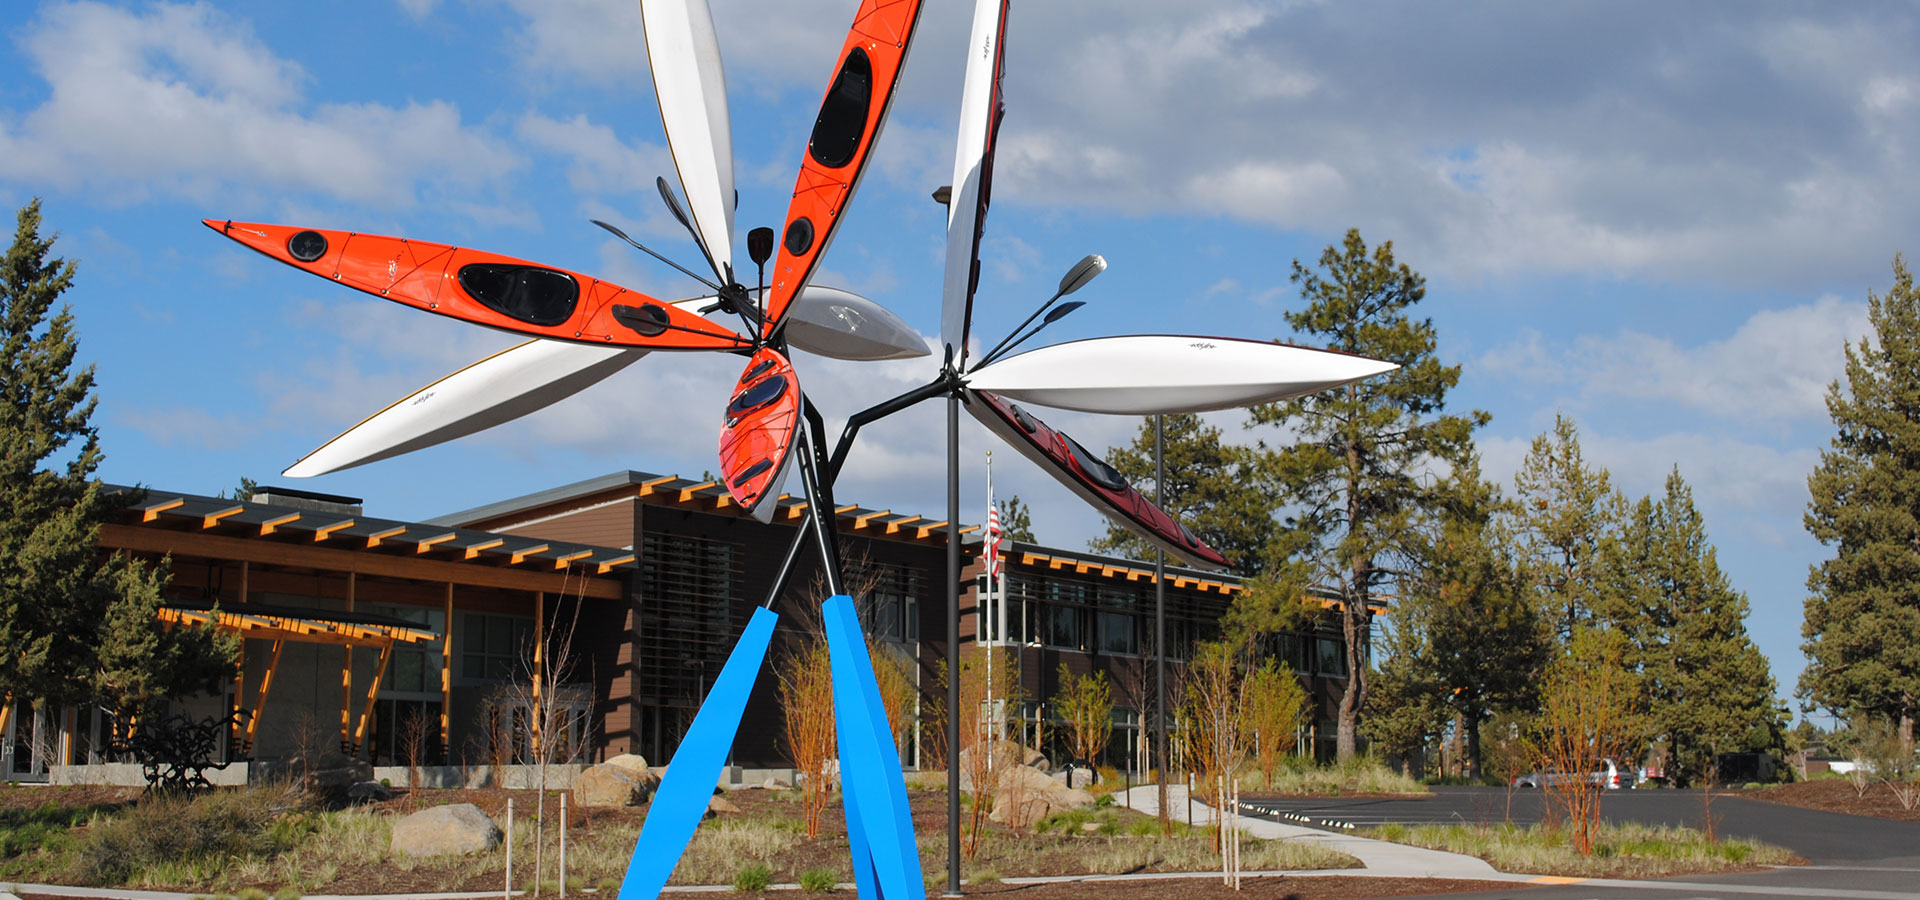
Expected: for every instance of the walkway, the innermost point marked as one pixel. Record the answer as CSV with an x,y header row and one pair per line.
x,y
1381,858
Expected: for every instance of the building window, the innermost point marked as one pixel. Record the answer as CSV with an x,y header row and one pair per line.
x,y
1063,626
889,608
414,668
495,648
1331,661
1118,633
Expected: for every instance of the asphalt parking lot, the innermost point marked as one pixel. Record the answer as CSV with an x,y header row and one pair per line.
x,y
1850,856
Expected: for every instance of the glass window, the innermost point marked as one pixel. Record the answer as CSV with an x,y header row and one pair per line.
x,y
1064,626
1331,661
493,647
1118,633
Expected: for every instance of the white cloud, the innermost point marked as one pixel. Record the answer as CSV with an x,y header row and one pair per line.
x,y
1775,367
183,99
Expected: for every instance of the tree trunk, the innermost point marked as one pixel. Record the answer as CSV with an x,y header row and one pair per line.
x,y
1473,747
1353,628
1906,727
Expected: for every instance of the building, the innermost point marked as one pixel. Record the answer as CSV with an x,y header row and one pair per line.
x,y
415,641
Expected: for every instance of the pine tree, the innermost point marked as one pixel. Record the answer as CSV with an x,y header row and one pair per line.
x,y
1485,645
1862,625
1016,520
1567,508
1351,471
1212,488
74,627
1707,688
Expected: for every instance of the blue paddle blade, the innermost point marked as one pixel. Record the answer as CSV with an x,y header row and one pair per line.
x,y
681,800
874,789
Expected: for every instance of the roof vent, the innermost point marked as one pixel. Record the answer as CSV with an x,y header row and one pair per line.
x,y
279,496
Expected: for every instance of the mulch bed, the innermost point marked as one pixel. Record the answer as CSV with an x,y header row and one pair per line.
x,y
1315,888
1837,796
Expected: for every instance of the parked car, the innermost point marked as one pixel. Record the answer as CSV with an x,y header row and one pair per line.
x,y
1603,772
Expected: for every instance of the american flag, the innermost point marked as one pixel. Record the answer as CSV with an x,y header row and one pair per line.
x,y
993,544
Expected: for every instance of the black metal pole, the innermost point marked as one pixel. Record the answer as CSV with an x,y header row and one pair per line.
x,y
820,499
1160,622
953,646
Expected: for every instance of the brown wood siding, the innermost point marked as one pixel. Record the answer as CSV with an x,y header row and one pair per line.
x,y
601,526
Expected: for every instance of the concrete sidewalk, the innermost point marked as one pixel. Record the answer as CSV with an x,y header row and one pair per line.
x,y
1381,858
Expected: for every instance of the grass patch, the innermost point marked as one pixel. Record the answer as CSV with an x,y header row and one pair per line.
x,y
1359,776
1619,851
819,881
754,878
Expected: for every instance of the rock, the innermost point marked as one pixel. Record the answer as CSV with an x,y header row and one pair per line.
x,y
445,830
721,805
368,792
1030,758
775,783
608,784
1071,799
631,761
1027,795
1077,776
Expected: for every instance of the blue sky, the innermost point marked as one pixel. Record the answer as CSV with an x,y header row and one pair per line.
x,y
1661,221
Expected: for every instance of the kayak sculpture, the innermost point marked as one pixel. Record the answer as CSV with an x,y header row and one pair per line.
x,y
584,329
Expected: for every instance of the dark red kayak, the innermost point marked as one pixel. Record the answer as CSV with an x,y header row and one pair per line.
x,y
486,288
1090,477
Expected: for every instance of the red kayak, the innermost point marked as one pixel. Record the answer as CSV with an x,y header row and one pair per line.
x,y
486,288
844,133
1090,477
763,419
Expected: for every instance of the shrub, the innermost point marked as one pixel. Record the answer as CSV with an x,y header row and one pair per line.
x,y
753,879
819,881
172,830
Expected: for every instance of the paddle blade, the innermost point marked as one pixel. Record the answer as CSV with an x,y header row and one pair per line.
x,y
681,800
691,87
981,105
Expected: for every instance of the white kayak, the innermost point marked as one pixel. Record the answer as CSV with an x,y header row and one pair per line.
x,y
691,87
1164,373
536,374
972,184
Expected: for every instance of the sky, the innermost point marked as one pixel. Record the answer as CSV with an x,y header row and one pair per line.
x,y
1662,220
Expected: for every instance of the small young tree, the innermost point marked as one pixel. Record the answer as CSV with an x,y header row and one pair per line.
x,y
1085,703
986,751
1588,712
1276,705
1215,707
899,695
806,696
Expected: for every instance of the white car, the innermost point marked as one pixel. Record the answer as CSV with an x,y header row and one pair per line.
x,y
1603,772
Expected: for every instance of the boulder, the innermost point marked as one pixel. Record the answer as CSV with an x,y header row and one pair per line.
x,y
608,784
1077,776
1029,758
444,831
721,805
775,783
1026,795
632,761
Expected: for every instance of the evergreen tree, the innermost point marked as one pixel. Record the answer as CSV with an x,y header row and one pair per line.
x,y
1862,625
1706,686
1566,509
1212,488
74,627
1351,472
1485,645
1016,520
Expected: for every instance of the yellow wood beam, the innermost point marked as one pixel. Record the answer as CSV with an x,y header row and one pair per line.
x,y
213,518
326,531
860,522
260,706
427,545
476,549
646,487
446,675
373,695
687,493
520,556
374,539
153,512
267,527
895,526
607,566
140,539
565,560
928,529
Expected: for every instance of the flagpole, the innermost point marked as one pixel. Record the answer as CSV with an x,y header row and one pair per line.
x,y
986,609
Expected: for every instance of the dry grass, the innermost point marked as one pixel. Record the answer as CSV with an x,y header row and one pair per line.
x,y
1363,776
1619,851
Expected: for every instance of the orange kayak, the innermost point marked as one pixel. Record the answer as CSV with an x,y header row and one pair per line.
x,y
486,288
763,419
849,123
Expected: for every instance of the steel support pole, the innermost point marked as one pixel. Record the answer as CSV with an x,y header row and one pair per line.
x,y
1160,623
953,646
